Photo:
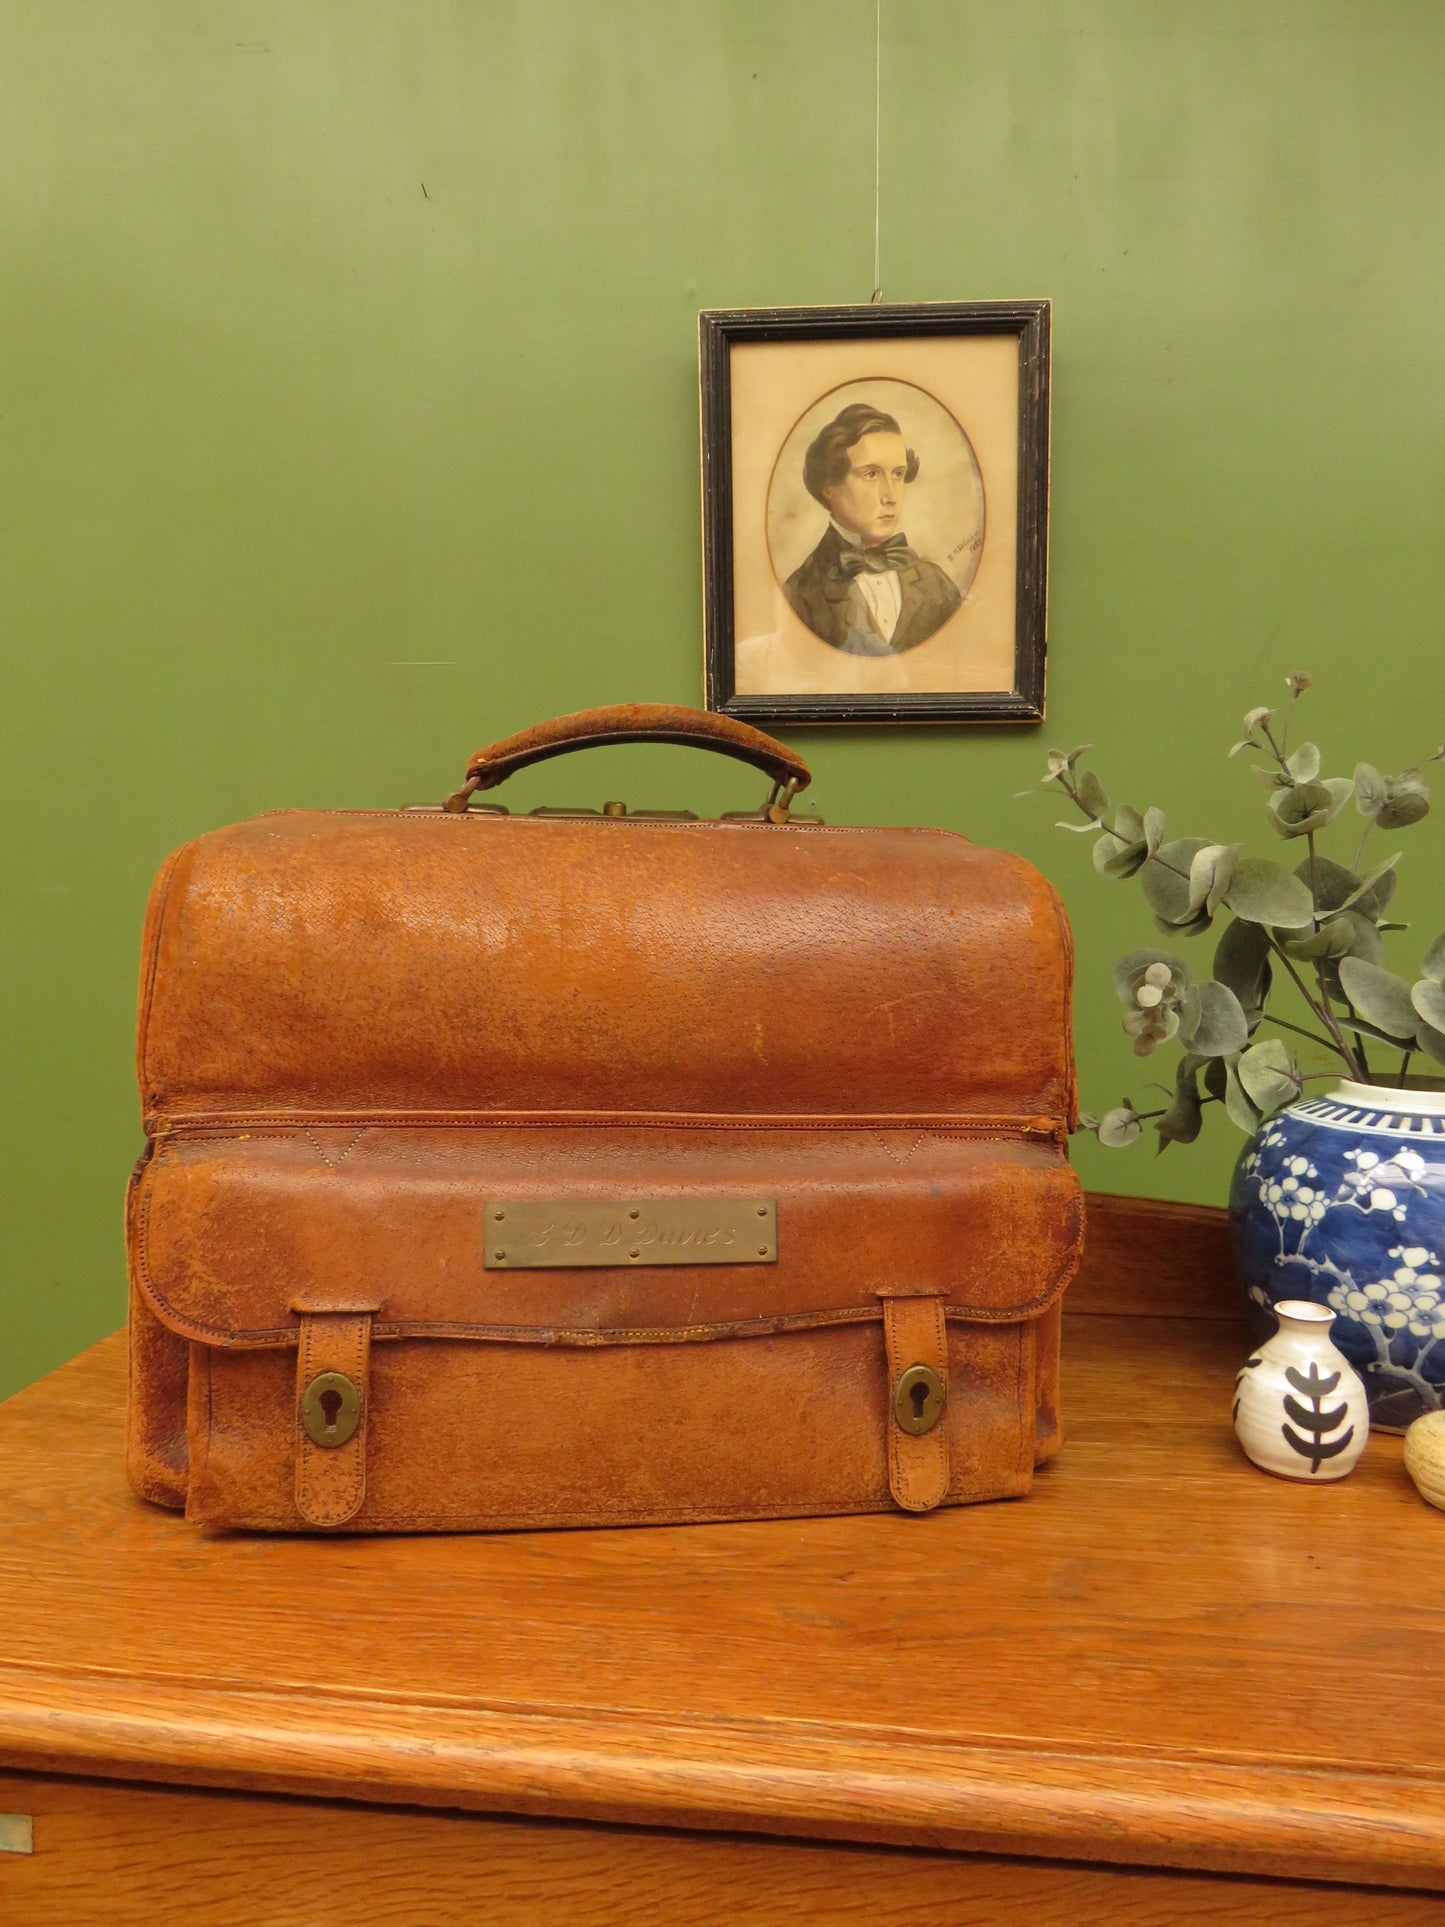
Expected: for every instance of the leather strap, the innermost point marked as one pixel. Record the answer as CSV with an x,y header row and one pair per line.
x,y
331,1480
916,1333
636,723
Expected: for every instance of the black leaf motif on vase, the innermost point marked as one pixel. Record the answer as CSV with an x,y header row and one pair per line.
x,y
1312,1419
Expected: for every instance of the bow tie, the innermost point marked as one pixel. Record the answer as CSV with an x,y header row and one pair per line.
x,y
892,554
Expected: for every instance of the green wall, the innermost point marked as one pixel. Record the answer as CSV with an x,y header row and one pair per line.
x,y
348,414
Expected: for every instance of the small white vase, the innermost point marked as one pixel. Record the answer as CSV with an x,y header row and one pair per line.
x,y
1300,1408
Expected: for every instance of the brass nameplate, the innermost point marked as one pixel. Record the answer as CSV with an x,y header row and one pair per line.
x,y
554,1232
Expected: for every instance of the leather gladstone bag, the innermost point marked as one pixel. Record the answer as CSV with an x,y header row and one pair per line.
x,y
573,1169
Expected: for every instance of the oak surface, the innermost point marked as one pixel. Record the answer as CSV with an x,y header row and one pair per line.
x,y
145,1857
1162,1657
1151,1257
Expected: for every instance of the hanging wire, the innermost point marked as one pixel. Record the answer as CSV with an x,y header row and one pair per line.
x,y
877,295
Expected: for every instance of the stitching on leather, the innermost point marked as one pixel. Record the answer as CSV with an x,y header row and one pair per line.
x,y
939,1434
342,1155
902,1157
314,1463
897,1483
876,1500
285,1335
1023,1456
221,1126
635,822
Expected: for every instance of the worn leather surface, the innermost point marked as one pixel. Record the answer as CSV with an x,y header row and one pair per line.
x,y
637,723
915,1332
231,1231
356,1027
331,1480
390,962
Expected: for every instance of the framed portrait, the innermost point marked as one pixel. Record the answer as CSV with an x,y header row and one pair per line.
x,y
875,512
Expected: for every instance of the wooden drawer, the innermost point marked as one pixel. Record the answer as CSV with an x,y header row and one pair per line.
x,y
131,1856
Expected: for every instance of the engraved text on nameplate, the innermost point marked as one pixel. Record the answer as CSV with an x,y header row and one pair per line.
x,y
552,1232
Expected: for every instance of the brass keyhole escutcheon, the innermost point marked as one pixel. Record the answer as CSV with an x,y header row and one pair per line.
x,y
330,1409
918,1399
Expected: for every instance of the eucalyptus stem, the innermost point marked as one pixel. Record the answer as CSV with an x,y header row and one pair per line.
x,y
1299,1031
1314,878
1405,1065
1325,1014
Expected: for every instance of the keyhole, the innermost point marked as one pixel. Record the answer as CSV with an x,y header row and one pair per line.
x,y
330,1403
918,1397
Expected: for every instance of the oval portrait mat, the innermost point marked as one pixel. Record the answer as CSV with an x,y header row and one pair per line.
x,y
943,509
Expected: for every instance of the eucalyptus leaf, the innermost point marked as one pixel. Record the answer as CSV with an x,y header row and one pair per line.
x,y
1129,969
1153,829
1433,962
1115,859
1190,1008
1268,1075
1364,937
1333,884
1061,761
1370,791
1304,764
1265,892
1210,875
1270,775
1408,800
1334,939
1079,829
1238,1104
1380,997
1378,886
1428,997
1092,795
1220,1029
1216,1077
1336,888
1165,879
1241,960
1309,806
1400,810
1181,1123
1128,823
1119,1127
1431,1041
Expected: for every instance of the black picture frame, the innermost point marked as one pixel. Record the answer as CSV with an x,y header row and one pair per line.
x,y
719,330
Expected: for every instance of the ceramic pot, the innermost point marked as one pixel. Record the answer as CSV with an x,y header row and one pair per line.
x,y
1341,1200
1425,1457
1299,1406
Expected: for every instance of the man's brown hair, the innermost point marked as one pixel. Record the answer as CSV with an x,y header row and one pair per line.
x,y
826,462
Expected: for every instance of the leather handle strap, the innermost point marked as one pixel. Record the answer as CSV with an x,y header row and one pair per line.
x,y
631,723
916,1334
333,1362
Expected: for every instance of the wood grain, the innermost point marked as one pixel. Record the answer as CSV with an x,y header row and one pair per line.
x,y
1108,1670
1152,1257
136,1857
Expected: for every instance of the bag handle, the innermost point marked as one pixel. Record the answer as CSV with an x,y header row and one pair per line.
x,y
634,723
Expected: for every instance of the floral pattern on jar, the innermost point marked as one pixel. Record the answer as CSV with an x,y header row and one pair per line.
x,y
1341,1201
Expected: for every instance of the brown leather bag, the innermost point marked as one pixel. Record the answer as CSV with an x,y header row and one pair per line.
x,y
578,1169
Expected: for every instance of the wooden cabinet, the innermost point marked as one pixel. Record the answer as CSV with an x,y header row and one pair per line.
x,y
1163,1687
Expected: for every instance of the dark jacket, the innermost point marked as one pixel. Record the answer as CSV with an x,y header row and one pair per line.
x,y
832,605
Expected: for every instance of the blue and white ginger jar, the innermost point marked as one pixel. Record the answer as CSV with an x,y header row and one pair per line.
x,y
1341,1200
